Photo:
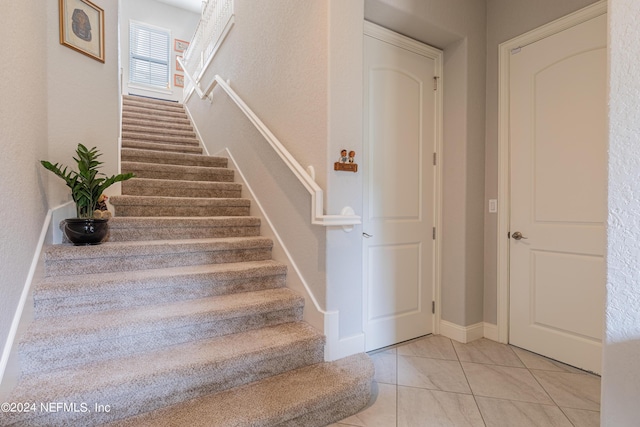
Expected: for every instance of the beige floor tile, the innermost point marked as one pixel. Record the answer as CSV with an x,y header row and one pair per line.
x,y
583,418
509,413
488,352
386,367
504,382
431,408
535,361
433,346
381,414
433,374
577,391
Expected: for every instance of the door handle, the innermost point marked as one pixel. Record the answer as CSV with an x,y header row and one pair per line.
x,y
518,236
367,235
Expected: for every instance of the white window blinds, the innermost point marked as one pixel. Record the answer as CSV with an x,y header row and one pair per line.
x,y
149,53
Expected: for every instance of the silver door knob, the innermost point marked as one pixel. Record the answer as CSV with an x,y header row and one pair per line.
x,y
518,236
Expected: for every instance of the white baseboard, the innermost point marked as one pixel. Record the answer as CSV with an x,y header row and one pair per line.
x,y
465,334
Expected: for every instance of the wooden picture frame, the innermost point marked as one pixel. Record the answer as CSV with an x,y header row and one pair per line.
x,y
178,80
178,67
180,45
82,27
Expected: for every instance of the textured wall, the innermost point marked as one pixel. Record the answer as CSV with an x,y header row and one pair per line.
x,y
621,359
23,141
506,19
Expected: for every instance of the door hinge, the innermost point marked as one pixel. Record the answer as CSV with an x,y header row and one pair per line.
x,y
516,50
435,83
433,307
434,233
508,234
435,157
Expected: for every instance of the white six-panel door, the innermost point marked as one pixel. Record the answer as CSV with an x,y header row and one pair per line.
x,y
399,181
558,177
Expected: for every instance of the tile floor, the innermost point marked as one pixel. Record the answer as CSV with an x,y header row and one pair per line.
x,y
434,381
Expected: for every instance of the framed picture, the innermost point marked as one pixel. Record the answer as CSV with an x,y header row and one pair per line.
x,y
82,27
180,45
178,67
178,80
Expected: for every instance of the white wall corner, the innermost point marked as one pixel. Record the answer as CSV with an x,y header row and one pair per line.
x,y
463,334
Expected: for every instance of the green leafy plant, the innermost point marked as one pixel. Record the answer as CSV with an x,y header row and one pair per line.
x,y
87,184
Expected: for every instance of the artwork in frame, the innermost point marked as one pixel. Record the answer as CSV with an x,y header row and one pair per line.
x,y
178,67
178,80
82,27
180,45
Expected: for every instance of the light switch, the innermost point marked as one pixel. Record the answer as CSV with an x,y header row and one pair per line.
x,y
493,205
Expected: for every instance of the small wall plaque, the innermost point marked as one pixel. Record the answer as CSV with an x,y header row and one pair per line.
x,y
346,162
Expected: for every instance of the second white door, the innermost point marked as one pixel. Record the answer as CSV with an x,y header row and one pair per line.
x,y
399,181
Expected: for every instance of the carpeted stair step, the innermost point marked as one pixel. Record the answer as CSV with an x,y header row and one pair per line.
x,y
179,188
157,146
134,114
83,294
149,381
59,342
151,104
122,229
178,206
160,138
178,172
63,260
152,125
167,158
164,130
159,115
310,396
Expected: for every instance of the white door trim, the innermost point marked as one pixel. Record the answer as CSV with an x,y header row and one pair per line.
x,y
505,49
381,33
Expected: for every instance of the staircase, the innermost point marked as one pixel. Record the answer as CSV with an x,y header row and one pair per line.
x,y
182,317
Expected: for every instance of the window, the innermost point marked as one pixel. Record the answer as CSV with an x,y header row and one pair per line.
x,y
149,53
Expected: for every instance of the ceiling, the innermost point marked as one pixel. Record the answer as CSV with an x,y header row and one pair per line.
x,y
190,5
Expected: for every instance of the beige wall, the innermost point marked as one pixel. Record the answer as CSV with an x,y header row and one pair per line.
x,y
458,28
23,141
83,100
506,19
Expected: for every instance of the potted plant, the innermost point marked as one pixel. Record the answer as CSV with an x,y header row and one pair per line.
x,y
87,185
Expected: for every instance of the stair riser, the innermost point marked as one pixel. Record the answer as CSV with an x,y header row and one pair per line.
x,y
153,106
176,124
159,138
164,291
141,156
160,130
141,114
102,348
137,234
164,211
134,190
134,262
170,148
181,386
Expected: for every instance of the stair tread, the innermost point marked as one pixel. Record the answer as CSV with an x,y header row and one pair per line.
x,y
156,182
152,247
168,156
84,328
158,146
270,401
74,285
97,378
177,201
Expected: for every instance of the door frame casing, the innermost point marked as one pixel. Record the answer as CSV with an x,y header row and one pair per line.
x,y
398,40
504,205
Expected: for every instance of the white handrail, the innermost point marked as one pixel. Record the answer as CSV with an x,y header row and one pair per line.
x,y
317,195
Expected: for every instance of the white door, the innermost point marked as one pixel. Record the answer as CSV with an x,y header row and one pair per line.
x,y
399,179
558,167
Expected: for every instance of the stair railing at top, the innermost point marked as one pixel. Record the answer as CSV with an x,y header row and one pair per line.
x,y
346,218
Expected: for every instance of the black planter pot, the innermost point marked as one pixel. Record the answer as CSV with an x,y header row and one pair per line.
x,y
86,231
